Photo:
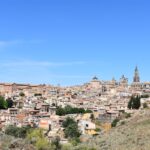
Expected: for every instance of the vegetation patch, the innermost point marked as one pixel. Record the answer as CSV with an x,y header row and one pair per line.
x,y
71,110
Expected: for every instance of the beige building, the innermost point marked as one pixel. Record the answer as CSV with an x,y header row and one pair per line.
x,y
95,83
11,88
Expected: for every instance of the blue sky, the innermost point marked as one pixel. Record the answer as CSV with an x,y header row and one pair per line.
x,y
68,42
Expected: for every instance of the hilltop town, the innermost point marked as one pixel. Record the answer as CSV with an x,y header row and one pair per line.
x,y
97,103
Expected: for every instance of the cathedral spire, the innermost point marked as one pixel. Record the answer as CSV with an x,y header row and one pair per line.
x,y
136,75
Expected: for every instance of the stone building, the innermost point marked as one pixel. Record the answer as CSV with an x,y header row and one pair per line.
x,y
95,83
123,81
136,84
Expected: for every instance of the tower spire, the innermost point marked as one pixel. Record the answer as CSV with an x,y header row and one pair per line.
x,y
136,75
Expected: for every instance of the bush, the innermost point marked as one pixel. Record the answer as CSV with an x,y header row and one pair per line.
x,y
145,105
37,94
122,122
97,129
36,137
71,110
67,147
3,103
42,144
9,102
16,131
72,131
134,103
75,141
56,143
114,123
92,117
68,121
84,148
127,115
21,94
71,128
144,96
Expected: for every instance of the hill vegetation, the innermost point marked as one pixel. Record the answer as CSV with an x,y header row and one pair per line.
x,y
71,110
131,133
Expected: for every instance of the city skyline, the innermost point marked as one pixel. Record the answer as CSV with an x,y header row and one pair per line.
x,y
136,79
69,42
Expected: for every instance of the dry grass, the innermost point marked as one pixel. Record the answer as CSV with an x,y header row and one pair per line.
x,y
133,134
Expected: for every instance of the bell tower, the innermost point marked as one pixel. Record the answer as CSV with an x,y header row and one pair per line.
x,y
136,75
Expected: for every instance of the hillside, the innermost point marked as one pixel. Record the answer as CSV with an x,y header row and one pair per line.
x,y
11,143
130,134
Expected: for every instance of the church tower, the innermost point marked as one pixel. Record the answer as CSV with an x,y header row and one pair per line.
x,y
136,75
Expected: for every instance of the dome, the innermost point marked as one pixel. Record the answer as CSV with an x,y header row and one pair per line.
x,y
95,78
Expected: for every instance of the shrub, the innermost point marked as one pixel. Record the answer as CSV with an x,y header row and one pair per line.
x,y
134,102
21,94
56,143
97,129
71,128
36,137
145,105
71,110
16,131
37,94
75,141
127,115
144,96
114,123
3,103
67,147
122,122
9,102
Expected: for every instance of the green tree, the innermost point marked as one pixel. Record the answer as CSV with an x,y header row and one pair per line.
x,y
60,111
71,128
130,103
68,109
88,111
9,102
72,131
135,102
16,131
68,121
71,110
3,103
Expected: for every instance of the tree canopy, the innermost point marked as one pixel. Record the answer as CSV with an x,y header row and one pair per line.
x,y
9,102
16,131
71,128
3,103
70,110
135,102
